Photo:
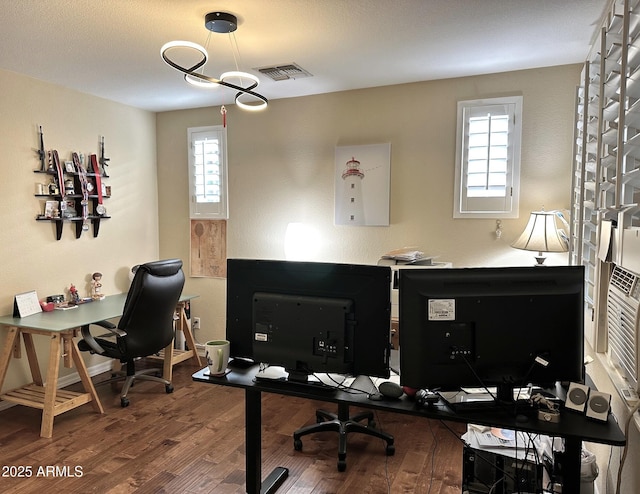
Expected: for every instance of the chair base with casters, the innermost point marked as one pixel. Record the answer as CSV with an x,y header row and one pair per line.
x,y
343,424
131,376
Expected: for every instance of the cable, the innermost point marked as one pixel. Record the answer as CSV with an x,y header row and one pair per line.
x,y
475,374
495,485
625,449
480,457
609,466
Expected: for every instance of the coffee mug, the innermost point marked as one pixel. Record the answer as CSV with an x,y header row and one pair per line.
x,y
217,356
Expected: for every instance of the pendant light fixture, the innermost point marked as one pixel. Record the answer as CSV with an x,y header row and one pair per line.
x,y
223,23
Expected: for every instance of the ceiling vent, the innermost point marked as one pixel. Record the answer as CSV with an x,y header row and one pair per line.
x,y
284,72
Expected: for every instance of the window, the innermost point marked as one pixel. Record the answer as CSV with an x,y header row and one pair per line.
x,y
488,158
207,172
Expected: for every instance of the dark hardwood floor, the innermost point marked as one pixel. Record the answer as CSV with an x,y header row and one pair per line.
x,y
192,441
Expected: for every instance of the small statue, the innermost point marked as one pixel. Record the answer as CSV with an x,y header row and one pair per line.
x,y
73,294
96,286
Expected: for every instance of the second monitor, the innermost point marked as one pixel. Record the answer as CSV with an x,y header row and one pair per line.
x,y
485,327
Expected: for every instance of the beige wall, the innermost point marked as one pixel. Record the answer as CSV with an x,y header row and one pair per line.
x,y
281,170
31,257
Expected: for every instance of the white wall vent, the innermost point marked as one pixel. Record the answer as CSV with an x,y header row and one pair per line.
x,y
284,72
623,302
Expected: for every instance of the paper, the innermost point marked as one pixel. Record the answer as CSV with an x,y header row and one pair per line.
x,y
66,306
509,443
26,304
406,254
208,248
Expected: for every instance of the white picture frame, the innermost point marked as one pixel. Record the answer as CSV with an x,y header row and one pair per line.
x,y
362,185
49,208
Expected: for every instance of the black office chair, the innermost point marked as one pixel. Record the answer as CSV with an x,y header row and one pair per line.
x,y
343,424
146,325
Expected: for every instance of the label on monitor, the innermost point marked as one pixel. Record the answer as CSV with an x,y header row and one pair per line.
x,y
261,337
442,309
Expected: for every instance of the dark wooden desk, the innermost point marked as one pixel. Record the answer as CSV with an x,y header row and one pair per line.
x,y
573,427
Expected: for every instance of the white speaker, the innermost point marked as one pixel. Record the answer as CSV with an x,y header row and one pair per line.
x,y
577,397
598,405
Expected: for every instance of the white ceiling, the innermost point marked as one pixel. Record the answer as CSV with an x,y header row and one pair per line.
x,y
111,48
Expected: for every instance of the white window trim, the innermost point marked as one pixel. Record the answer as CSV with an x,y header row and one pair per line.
x,y
219,210
511,207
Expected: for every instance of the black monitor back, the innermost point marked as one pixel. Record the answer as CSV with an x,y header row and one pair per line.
x,y
366,288
469,327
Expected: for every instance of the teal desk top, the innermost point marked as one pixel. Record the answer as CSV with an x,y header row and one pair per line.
x,y
62,320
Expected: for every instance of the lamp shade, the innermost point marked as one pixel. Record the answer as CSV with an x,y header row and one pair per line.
x,y
542,234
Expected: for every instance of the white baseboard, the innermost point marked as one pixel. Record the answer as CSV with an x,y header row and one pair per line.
x,y
70,379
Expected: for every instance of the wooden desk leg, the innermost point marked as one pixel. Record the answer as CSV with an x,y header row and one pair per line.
x,y
84,375
50,389
167,367
7,350
188,335
32,358
67,351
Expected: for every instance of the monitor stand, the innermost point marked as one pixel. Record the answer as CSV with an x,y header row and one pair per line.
x,y
241,363
282,377
461,400
504,398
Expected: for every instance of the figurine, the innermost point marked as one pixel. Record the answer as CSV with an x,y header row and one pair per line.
x,y
73,292
96,286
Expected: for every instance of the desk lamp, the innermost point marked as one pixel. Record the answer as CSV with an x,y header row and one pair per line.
x,y
542,235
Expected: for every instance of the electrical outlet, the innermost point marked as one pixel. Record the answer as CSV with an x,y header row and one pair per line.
x,y
195,324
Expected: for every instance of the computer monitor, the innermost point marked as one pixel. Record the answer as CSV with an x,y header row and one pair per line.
x,y
481,327
310,317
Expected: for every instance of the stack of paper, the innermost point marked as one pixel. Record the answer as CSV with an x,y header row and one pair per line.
x,y
521,445
407,255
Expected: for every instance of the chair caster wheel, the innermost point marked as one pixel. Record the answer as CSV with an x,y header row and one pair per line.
x,y
297,444
342,465
124,402
391,449
169,388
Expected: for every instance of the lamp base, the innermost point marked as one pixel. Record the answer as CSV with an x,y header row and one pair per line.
x,y
540,259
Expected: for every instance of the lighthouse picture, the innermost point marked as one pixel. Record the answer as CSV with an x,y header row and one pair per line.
x,y
362,185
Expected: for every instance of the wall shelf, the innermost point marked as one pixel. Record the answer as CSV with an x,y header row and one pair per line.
x,y
81,203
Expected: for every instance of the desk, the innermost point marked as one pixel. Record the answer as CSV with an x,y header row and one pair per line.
x,y
61,326
172,356
573,427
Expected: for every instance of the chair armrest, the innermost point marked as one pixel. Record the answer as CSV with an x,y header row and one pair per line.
x,y
111,327
105,324
91,341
